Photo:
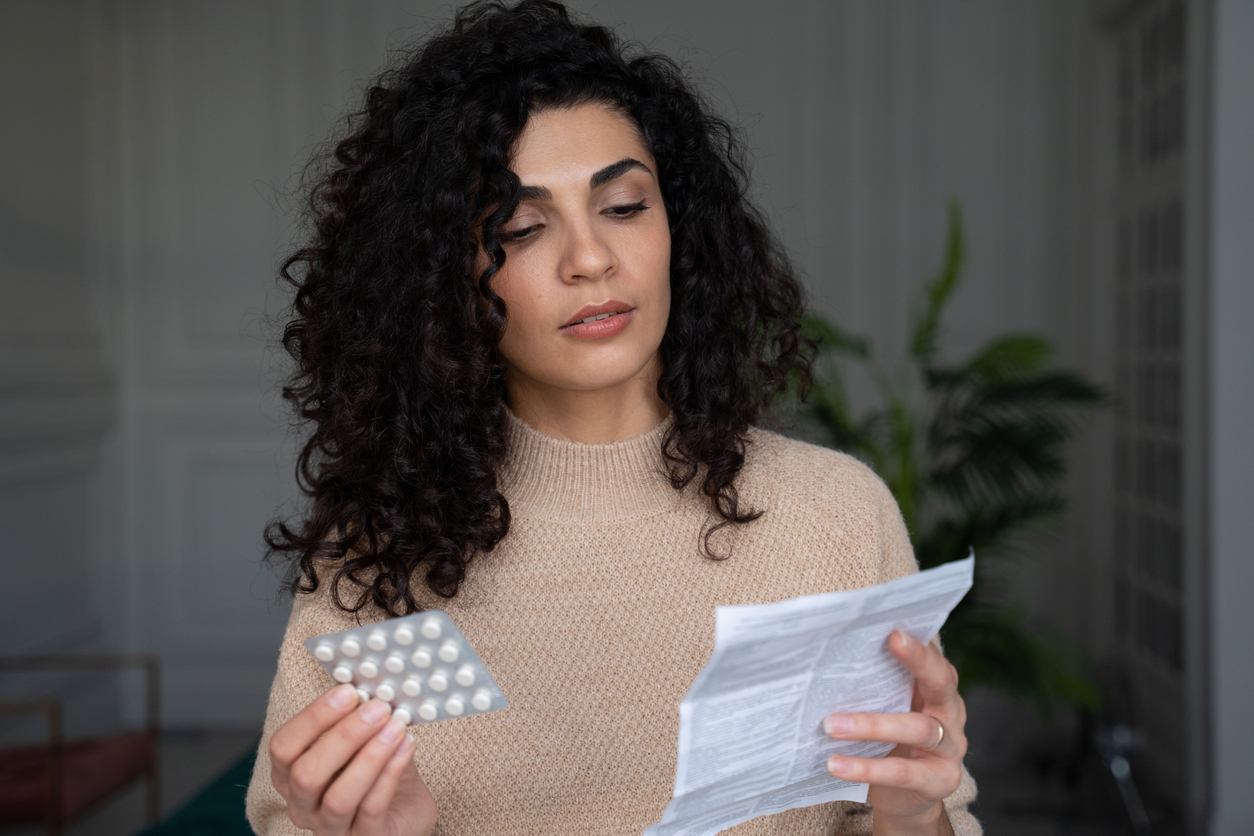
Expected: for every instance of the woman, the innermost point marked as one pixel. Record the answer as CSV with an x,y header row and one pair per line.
x,y
533,328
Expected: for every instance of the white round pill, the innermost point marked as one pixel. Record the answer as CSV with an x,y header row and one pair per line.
x,y
368,669
403,715
450,650
350,646
385,692
438,681
465,676
324,653
454,705
364,694
404,635
412,686
428,710
431,627
421,657
395,663
482,700
376,640
342,674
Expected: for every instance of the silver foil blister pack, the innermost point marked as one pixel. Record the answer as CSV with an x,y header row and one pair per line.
x,y
420,664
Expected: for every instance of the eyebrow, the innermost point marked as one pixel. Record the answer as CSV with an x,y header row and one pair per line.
x,y
611,172
616,170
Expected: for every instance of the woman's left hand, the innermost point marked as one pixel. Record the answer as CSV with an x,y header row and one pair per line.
x,y
908,784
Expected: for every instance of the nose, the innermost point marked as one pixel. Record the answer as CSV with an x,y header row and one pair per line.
x,y
587,255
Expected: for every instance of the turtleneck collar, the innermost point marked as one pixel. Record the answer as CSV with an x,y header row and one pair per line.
x,y
557,479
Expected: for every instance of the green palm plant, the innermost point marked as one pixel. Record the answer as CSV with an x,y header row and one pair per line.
x,y
973,453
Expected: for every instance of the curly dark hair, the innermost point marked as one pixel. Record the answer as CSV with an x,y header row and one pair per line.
x,y
394,331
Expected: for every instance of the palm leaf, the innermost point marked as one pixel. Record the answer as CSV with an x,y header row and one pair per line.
x,y
1008,358
988,456
989,528
926,327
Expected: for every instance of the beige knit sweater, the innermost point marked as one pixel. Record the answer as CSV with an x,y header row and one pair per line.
x,y
595,614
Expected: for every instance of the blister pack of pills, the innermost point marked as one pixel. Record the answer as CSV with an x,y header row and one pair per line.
x,y
420,664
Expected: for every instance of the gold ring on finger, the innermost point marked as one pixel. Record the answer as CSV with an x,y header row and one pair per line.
x,y
940,737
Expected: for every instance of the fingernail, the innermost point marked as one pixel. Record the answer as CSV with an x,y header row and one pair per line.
x,y
837,765
342,696
411,737
374,711
837,724
392,732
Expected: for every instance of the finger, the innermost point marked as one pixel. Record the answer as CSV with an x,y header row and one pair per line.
x,y
934,779
935,678
341,800
294,737
912,729
312,772
373,810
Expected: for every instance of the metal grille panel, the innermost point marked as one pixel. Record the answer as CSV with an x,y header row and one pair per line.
x,y
1149,331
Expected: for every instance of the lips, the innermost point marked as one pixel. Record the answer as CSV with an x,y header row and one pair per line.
x,y
597,313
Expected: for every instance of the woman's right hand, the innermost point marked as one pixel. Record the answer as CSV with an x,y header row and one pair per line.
x,y
347,770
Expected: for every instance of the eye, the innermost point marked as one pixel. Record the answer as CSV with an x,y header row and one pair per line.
x,y
519,234
626,211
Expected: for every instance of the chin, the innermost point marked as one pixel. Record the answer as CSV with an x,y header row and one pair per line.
x,y
594,382
592,377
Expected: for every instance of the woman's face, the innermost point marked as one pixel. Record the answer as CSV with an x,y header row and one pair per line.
x,y
586,281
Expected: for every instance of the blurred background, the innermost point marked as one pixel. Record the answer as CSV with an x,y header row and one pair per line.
x,y
1102,152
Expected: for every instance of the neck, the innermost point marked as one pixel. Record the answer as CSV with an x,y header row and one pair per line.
x,y
589,416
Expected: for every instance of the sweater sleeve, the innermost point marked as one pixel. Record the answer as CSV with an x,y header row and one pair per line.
x,y
896,554
298,681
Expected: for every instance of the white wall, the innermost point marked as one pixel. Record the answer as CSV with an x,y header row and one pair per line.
x,y
1231,383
